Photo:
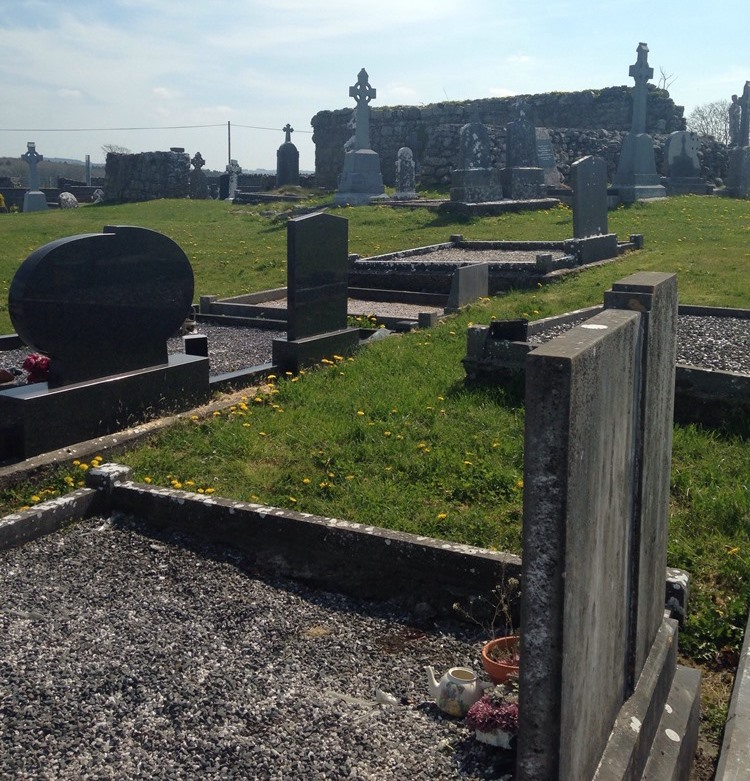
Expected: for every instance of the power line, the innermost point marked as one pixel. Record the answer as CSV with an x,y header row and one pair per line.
x,y
109,129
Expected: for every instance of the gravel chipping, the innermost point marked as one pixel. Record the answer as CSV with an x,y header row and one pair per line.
x,y
132,655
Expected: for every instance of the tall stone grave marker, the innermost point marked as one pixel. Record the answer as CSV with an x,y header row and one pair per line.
x,y
317,292
406,184
522,177
597,656
636,178
198,181
738,178
475,180
361,180
589,182
287,160
101,307
683,165
233,170
34,200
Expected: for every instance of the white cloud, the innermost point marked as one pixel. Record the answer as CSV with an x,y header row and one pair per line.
x,y
518,59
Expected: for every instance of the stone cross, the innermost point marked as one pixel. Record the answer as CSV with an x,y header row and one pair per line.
x,y
234,170
33,158
641,72
288,129
198,161
362,93
744,138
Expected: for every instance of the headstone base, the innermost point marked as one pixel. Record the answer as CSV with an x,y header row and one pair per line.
x,y
35,201
361,179
677,185
35,419
521,184
475,185
738,178
291,356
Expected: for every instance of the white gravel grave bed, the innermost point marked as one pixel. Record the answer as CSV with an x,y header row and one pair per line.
x,y
125,656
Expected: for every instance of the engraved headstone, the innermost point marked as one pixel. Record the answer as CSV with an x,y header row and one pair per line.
x,y
101,304
361,180
233,170
545,154
287,160
522,176
476,180
475,148
406,187
589,183
683,165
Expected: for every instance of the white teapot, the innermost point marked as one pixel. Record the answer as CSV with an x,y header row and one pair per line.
x,y
456,691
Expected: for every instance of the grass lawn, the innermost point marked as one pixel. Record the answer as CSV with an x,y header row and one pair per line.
x,y
394,437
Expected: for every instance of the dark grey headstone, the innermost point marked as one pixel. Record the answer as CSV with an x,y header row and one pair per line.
x,y
589,183
287,160
103,303
682,155
317,275
521,148
468,284
198,183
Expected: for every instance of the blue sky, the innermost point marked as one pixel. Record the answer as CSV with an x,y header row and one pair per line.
x,y
105,64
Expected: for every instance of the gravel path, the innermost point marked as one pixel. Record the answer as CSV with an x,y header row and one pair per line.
x,y
128,656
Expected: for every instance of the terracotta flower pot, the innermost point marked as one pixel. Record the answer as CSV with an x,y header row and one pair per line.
x,y
500,658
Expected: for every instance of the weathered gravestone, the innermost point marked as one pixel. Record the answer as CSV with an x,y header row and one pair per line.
x,y
636,178
34,200
738,177
545,154
287,160
406,180
198,180
590,224
601,696
469,283
683,165
317,292
101,307
476,180
361,179
233,170
522,177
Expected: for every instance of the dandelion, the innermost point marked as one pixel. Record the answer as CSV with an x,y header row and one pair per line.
x,y
262,434
271,377
216,413
519,483
306,480
83,467
147,480
386,433
246,425
468,463
360,413
211,490
193,417
442,516
76,462
293,499
36,499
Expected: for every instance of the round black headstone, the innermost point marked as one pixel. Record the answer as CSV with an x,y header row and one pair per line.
x,y
102,303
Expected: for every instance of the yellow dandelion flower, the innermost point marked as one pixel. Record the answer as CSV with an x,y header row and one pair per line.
x,y
292,499
386,433
83,467
76,462
211,490
441,516
360,413
246,425
36,498
147,480
262,434
519,483
306,480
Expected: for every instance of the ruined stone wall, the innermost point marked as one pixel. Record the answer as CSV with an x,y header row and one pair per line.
x,y
432,131
146,176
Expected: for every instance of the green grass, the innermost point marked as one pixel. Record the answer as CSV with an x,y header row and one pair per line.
x,y
394,437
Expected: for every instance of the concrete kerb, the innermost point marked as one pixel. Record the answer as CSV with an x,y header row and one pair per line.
x,y
351,558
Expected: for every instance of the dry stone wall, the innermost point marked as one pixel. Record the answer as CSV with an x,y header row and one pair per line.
x,y
146,176
432,131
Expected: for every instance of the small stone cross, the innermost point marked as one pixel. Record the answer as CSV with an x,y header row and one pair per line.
x,y
288,129
33,158
198,161
641,72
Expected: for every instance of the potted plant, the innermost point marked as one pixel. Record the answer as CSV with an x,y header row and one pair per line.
x,y
494,718
500,655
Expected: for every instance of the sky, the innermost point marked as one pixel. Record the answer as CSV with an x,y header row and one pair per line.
x,y
77,75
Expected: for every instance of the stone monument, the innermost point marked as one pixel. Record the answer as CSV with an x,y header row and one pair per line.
x,y
545,154
683,165
738,178
406,184
476,180
233,170
34,200
590,224
636,178
522,177
287,160
361,179
198,181
735,112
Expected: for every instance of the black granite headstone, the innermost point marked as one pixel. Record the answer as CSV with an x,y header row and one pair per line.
x,y
101,304
317,274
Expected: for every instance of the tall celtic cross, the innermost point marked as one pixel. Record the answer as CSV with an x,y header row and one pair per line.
x,y
641,72
744,139
33,158
362,93
288,129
